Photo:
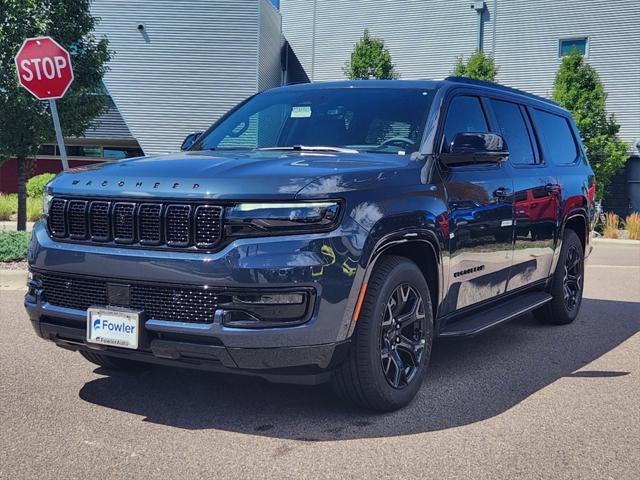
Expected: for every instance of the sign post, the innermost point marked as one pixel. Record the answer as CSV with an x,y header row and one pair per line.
x,y
44,69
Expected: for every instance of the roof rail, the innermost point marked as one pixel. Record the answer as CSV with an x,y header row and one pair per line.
x,y
497,86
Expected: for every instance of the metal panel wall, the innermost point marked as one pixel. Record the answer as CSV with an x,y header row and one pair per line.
x,y
425,37
271,41
193,62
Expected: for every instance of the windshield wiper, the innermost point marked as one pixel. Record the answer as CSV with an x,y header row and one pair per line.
x,y
312,149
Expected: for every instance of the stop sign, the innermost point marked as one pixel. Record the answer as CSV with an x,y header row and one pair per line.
x,y
44,68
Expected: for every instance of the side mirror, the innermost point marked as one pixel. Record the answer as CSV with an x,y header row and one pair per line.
x,y
472,147
190,140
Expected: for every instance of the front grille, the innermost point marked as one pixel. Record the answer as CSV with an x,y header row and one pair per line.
x,y
179,304
175,225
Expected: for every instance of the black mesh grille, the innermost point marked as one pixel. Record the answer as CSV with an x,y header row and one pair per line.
x,y
73,293
77,219
178,225
176,304
150,224
192,305
57,223
99,225
123,228
208,225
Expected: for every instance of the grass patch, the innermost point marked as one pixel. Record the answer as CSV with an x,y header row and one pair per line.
x,y
8,205
632,224
611,224
13,246
34,209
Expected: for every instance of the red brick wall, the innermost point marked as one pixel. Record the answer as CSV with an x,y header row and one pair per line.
x,y
9,171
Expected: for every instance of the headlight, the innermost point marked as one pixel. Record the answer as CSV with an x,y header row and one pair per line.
x,y
46,202
298,217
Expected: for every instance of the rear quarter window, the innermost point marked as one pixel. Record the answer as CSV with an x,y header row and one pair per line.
x,y
557,137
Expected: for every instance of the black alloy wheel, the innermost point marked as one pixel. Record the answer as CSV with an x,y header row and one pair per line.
x,y
402,336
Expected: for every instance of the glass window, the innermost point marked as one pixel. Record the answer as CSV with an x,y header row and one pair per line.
x,y
465,114
84,151
121,152
558,138
514,130
383,120
568,45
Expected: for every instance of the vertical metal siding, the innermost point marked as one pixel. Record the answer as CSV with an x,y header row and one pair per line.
x,y
425,37
197,60
271,42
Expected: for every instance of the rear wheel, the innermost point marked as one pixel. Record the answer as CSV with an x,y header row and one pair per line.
x,y
112,363
392,341
566,285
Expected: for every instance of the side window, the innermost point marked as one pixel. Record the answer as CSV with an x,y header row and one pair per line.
x,y
465,114
557,136
514,130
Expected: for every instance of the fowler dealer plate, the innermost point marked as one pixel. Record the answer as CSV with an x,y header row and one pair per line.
x,y
115,328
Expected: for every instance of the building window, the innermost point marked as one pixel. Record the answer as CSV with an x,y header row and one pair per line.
x,y
568,45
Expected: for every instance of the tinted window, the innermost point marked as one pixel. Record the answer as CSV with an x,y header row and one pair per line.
x,y
465,114
568,45
557,136
381,120
514,130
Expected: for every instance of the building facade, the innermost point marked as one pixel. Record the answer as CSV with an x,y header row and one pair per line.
x,y
527,40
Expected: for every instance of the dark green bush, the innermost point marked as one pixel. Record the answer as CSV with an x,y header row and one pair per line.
x,y
35,185
13,246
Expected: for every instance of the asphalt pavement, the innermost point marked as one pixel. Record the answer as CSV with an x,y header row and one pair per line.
x,y
521,401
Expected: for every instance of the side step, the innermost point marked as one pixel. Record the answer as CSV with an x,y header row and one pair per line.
x,y
486,319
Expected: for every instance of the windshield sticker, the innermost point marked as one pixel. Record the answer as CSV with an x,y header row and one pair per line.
x,y
301,111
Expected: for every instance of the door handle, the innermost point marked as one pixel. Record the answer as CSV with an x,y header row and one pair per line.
x,y
552,187
502,192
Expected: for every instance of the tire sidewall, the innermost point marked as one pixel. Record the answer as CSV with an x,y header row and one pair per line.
x,y
404,272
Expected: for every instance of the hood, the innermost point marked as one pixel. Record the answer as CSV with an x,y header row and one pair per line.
x,y
259,174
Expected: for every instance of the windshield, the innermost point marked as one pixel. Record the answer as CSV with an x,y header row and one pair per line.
x,y
385,120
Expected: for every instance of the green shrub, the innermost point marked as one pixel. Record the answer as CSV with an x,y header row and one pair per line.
x,y
13,246
8,205
34,208
35,185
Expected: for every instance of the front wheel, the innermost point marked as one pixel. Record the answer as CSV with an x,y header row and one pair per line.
x,y
392,341
566,284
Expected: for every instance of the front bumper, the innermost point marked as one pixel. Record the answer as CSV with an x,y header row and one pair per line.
x,y
326,263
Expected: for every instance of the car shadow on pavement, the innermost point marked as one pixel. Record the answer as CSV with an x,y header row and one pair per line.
x,y
469,380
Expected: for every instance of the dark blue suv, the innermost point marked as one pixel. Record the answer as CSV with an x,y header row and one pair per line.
x,y
322,232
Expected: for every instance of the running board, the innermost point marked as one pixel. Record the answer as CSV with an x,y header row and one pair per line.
x,y
486,319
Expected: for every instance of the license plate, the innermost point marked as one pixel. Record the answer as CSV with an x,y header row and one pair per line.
x,y
115,328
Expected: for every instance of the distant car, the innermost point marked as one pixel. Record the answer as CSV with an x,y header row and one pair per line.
x,y
322,232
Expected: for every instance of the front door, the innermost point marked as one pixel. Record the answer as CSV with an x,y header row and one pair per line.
x,y
480,204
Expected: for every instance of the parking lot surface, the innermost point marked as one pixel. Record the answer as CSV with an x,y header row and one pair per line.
x,y
521,401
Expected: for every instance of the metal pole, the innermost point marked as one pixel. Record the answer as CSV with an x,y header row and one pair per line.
x,y
56,126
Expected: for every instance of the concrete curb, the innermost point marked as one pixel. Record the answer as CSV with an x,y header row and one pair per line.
x,y
13,279
10,226
614,241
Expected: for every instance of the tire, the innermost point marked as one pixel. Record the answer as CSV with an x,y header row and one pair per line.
x,y
370,376
567,284
112,363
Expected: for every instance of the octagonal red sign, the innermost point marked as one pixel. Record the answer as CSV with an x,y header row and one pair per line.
x,y
44,68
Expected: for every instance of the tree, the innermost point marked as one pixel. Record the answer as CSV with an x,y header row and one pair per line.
x,y
578,88
25,122
479,66
370,59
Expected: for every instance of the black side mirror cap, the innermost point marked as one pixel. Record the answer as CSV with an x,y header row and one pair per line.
x,y
473,147
189,140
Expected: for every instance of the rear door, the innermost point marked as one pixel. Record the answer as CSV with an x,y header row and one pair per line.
x,y
536,195
480,204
